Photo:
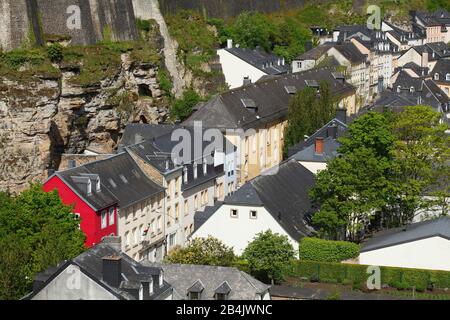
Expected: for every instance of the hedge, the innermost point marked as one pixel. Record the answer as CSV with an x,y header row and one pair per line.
x,y
399,278
313,249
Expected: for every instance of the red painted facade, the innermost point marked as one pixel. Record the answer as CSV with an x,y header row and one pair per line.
x,y
91,220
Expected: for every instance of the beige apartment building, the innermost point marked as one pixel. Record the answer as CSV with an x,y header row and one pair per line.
x,y
254,117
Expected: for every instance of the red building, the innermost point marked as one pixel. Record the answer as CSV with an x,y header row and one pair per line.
x,y
95,204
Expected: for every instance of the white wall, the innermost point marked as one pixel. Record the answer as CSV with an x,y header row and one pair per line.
x,y
432,253
305,65
236,69
239,232
314,167
72,284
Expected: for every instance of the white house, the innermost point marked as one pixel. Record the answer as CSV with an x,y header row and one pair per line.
x,y
277,200
423,245
243,66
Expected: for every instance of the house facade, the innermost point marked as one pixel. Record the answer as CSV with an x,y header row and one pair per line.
x,y
129,202
242,66
423,245
254,117
277,201
191,184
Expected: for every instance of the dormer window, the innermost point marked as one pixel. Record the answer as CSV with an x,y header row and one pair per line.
x,y
205,167
447,77
195,170
150,288
185,175
141,293
98,185
89,187
161,279
222,292
195,292
436,76
411,89
399,89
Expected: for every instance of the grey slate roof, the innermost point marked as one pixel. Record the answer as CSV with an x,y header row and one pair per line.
x,y
133,273
284,192
341,129
135,133
426,92
227,111
422,230
315,53
134,188
351,52
259,58
122,182
183,277
442,67
309,153
98,200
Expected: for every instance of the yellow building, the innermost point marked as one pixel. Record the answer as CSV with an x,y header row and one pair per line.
x,y
254,117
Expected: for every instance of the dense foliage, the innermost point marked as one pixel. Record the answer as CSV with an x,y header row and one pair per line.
x,y
308,111
314,249
182,107
203,251
357,275
36,232
387,163
268,255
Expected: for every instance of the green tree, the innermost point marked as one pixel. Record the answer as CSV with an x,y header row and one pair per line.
x,y
268,256
182,108
37,231
308,112
203,251
387,164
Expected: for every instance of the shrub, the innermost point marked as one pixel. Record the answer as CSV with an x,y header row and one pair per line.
x,y
313,249
55,52
399,278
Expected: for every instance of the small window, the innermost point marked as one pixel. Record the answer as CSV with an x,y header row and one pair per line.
x,y
234,213
253,214
185,175
111,216
436,76
205,167
447,77
221,296
194,296
104,220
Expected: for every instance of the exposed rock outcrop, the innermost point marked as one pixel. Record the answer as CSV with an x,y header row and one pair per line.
x,y
45,116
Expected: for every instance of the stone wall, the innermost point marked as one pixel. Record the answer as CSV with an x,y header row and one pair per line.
x,y
19,18
43,117
14,24
229,8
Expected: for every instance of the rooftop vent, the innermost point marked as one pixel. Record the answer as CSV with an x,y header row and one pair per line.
x,y
249,104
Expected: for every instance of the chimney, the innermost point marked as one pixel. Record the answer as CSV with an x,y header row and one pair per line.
x,y
341,115
247,80
332,131
112,270
113,242
319,146
230,43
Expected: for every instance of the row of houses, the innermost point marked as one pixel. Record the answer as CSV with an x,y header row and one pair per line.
x,y
104,272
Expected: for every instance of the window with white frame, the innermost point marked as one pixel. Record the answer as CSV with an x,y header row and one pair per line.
x,y
234,213
436,76
185,175
104,219
127,239
112,216
159,224
447,77
253,214
79,219
205,167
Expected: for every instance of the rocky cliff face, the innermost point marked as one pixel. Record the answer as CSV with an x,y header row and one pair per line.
x,y
44,116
